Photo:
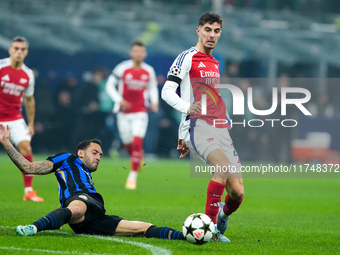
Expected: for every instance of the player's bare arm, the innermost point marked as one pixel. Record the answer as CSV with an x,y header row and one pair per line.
x,y
30,112
26,167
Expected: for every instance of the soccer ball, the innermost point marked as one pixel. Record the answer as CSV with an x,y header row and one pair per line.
x,y
198,228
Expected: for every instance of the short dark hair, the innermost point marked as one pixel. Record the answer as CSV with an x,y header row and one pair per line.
x,y
84,144
210,17
20,39
138,43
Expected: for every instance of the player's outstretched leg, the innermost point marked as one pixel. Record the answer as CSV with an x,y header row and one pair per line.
x,y
164,233
53,220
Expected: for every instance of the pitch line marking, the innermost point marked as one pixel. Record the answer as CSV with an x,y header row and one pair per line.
x,y
12,248
153,249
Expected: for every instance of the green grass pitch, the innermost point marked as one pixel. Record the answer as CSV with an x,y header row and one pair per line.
x,y
278,216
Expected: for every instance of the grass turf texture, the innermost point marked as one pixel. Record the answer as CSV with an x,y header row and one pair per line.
x,y
278,216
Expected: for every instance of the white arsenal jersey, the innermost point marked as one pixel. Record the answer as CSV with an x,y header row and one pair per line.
x,y
135,85
196,73
14,84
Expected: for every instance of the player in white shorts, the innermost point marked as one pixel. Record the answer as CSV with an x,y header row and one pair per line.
x,y
131,85
19,131
17,86
196,72
204,139
132,125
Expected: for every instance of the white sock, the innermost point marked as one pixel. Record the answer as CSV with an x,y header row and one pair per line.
x,y
27,189
133,175
223,215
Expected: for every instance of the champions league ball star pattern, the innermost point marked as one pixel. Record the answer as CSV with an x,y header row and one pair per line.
x,y
198,228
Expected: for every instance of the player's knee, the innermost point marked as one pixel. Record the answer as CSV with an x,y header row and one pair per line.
x,y
25,148
77,213
237,193
28,151
145,227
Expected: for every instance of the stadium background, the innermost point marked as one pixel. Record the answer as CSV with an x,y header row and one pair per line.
x,y
72,40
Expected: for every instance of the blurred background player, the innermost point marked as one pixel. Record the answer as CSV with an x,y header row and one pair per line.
x,y
131,84
197,72
17,85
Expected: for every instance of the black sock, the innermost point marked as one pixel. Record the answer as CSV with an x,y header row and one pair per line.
x,y
54,219
164,233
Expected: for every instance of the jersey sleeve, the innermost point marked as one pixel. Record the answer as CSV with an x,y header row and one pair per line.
x,y
170,96
4,62
119,70
29,91
112,90
58,160
180,131
113,81
152,87
180,68
178,71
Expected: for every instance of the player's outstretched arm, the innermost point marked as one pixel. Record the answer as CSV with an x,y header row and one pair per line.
x,y
26,167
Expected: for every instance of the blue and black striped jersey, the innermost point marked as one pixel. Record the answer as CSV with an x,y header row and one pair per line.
x,y
72,174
